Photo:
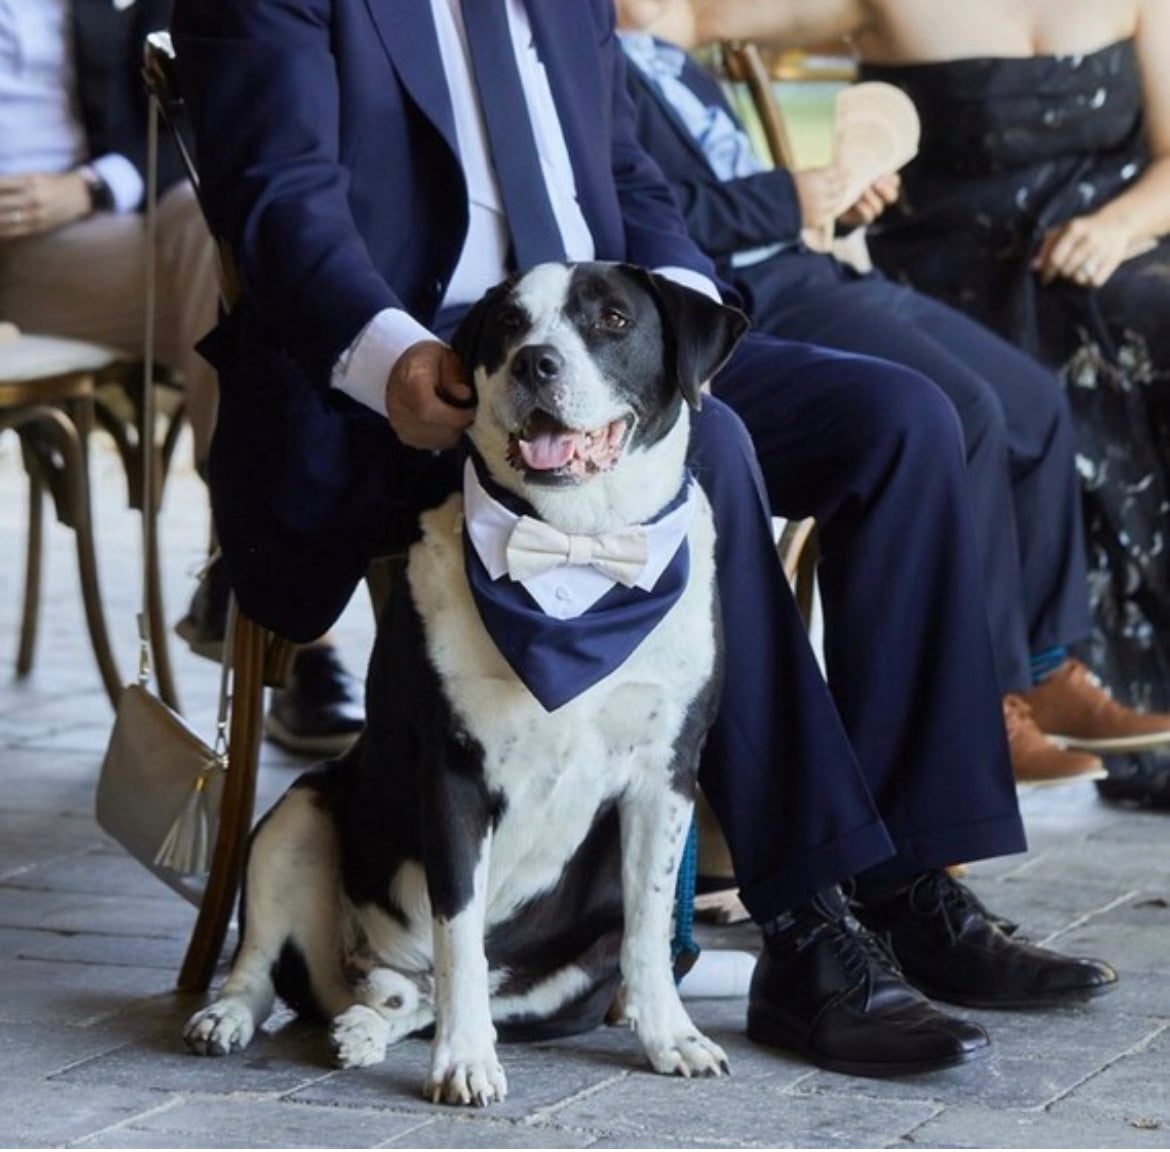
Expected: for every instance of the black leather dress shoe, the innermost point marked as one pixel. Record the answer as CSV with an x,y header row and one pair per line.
x,y
1138,781
204,625
950,948
320,712
826,989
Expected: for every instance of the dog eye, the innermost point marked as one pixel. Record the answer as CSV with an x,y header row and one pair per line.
x,y
613,320
511,320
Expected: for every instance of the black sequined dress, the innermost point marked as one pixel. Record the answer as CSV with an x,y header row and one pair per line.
x,y
1010,148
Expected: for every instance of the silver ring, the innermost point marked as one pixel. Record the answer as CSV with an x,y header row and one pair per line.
x,y
1088,268
15,215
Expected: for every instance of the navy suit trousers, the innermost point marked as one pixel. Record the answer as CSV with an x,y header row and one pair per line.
x,y
874,452
1016,426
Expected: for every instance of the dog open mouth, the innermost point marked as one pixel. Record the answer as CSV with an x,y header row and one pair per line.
x,y
545,446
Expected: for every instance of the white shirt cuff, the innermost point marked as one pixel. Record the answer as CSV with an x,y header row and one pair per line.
x,y
122,179
689,278
364,368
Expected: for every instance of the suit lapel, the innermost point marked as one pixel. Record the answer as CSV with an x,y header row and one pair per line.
x,y
407,31
667,110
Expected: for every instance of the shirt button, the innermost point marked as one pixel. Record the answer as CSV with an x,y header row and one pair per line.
x,y
563,594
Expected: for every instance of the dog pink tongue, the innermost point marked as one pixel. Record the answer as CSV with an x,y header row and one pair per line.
x,y
549,450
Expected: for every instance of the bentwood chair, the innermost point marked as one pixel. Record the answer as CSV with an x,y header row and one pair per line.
x,y
260,658
47,396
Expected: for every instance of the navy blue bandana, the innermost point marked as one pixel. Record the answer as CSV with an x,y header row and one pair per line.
x,y
557,660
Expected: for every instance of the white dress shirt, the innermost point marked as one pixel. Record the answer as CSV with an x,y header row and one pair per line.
x,y
40,121
362,371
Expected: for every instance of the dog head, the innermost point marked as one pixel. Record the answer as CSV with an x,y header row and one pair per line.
x,y
583,375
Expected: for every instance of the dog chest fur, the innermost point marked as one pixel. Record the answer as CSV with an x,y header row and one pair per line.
x,y
559,768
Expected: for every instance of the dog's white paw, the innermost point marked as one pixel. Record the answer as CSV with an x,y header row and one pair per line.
x,y
359,1036
672,1043
471,1079
688,1053
219,1029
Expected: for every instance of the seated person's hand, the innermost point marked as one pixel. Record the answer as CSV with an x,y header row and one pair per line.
x,y
1086,250
428,403
883,192
823,195
35,202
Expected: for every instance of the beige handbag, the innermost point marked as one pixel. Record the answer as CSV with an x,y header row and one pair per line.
x,y
159,791
160,785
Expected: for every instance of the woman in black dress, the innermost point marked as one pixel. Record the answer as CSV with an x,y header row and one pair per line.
x,y
1014,149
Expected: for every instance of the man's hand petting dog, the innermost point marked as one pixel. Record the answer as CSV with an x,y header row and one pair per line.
x,y
428,403
498,850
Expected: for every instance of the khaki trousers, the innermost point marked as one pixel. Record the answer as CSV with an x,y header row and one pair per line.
x,y
87,281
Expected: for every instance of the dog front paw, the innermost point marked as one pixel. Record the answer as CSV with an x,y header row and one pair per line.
x,y
219,1029
688,1053
359,1036
472,1079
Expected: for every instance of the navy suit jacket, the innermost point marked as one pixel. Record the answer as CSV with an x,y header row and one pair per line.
x,y
327,150
729,216
107,45
723,216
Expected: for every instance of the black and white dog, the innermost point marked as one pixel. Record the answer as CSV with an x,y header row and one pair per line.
x,y
536,705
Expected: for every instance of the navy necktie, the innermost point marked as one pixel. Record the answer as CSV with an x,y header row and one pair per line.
x,y
536,237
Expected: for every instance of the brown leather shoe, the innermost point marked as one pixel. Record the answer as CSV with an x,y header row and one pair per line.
x,y
1035,758
1074,710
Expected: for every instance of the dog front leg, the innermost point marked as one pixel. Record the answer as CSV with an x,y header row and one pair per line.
x,y
464,1066
654,826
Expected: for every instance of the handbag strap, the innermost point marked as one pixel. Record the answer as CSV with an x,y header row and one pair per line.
x,y
146,451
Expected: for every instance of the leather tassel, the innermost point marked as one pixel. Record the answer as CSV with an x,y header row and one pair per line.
x,y
187,846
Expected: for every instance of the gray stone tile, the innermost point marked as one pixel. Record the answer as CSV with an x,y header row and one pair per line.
x,y
74,994
738,1112
475,1131
37,1113
218,1122
159,1060
1071,1126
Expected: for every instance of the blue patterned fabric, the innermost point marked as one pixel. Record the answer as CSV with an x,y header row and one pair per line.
x,y
727,147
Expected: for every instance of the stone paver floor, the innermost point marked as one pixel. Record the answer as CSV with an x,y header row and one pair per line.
x,y
90,1054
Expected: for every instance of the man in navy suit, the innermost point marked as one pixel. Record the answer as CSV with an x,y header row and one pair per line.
x,y
348,163
1016,421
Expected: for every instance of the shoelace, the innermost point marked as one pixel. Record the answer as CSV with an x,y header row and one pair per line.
x,y
855,946
938,893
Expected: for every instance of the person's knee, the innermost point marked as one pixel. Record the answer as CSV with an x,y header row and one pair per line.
x,y
723,459
894,404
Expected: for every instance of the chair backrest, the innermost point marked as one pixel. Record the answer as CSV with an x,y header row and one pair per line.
x,y
744,64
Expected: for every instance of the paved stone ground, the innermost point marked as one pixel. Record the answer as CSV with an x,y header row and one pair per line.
x,y
90,945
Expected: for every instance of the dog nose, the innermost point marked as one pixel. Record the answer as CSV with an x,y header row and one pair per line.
x,y
537,365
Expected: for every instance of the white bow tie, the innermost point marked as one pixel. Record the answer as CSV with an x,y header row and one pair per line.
x,y
535,547
561,589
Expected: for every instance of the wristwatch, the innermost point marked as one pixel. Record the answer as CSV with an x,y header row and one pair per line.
x,y
101,199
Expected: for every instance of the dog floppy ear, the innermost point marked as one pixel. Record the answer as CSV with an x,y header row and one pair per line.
x,y
699,334
467,340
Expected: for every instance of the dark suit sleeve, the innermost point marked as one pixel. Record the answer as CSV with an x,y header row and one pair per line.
x,y
261,84
108,46
656,234
723,217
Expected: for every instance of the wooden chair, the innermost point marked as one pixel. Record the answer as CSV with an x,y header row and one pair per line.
x,y
260,658
47,396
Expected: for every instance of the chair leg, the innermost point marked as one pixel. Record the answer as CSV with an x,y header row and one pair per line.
x,y
77,493
30,616
160,648
236,808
